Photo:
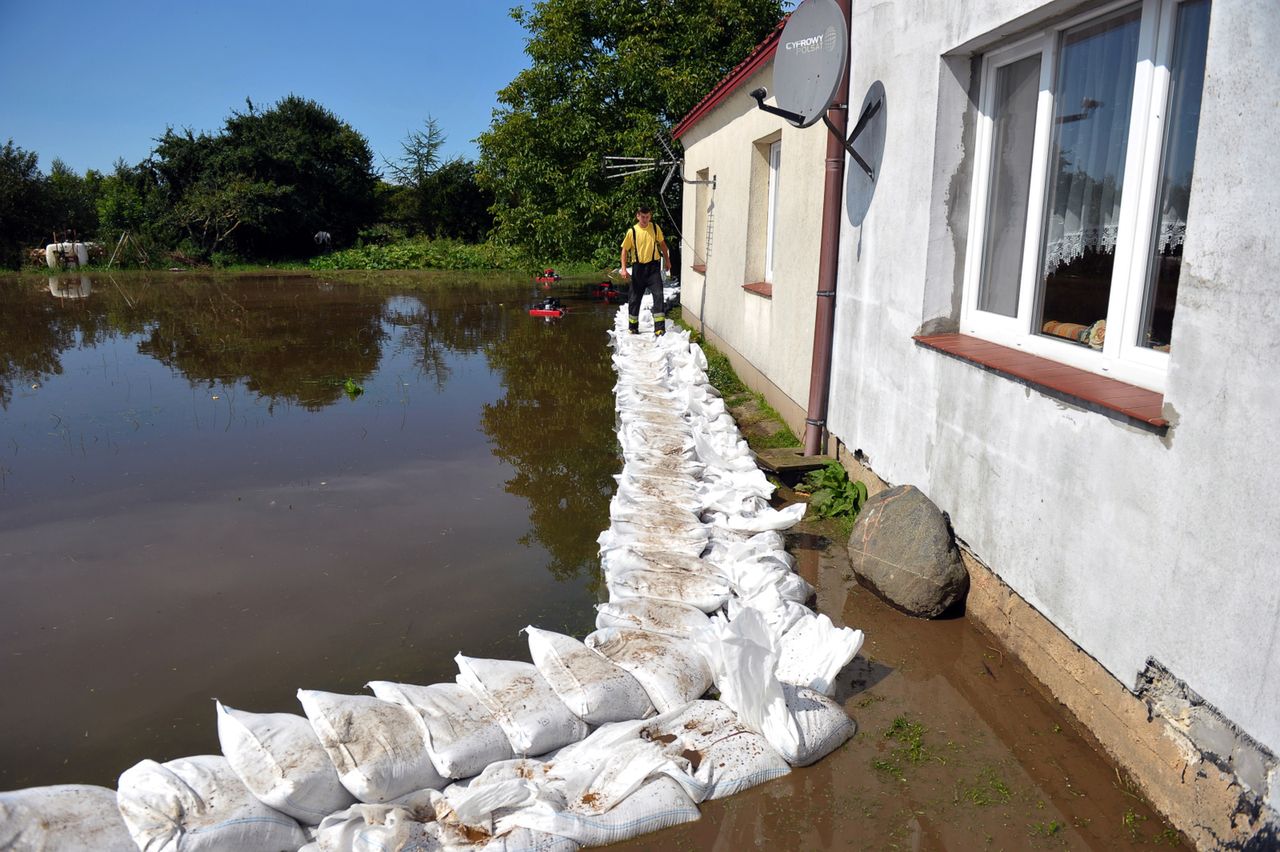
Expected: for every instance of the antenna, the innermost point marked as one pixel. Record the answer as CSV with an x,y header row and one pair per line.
x,y
621,167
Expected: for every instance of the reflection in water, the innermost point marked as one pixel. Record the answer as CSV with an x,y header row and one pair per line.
x,y
191,506
70,287
548,425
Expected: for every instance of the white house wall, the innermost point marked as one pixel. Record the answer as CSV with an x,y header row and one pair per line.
x,y
774,335
1136,545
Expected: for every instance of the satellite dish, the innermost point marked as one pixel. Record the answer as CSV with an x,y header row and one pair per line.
x,y
812,56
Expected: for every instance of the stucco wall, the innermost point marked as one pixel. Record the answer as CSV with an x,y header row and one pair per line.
x,y
1135,545
775,336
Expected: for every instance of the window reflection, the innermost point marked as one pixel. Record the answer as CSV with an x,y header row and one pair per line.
x,y
1185,86
1093,94
1017,87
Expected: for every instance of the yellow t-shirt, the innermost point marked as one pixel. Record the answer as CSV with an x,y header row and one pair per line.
x,y
649,237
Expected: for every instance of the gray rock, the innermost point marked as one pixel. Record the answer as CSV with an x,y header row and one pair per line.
x,y
903,550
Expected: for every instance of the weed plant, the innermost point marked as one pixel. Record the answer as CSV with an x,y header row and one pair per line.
x,y
832,493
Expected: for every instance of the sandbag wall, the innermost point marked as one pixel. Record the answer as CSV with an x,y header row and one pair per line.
x,y
595,741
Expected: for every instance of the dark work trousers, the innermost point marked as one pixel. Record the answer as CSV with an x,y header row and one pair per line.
x,y
647,276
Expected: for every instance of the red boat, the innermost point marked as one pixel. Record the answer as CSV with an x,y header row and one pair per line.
x,y
548,276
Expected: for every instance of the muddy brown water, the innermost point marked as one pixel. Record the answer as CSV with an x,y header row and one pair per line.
x,y
193,507
956,749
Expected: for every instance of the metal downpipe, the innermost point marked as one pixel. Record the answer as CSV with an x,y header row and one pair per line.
x,y
828,265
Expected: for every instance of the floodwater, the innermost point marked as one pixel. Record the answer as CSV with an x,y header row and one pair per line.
x,y
957,749
195,504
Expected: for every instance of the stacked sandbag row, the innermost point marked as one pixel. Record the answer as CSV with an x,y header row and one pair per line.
x,y
691,525
594,742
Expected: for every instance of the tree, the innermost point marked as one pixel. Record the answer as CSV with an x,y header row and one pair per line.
x,y
281,175
437,197
606,77
21,203
70,200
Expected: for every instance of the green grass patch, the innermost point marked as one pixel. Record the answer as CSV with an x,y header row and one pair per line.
x,y
910,750
988,789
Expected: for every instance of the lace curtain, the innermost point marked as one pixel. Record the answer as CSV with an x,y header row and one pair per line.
x,y
1093,99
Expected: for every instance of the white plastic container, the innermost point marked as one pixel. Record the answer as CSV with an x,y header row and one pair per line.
x,y
60,255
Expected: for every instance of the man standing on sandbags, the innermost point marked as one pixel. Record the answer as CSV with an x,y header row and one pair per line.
x,y
645,241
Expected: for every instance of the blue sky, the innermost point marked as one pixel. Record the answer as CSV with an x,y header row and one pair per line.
x,y
89,82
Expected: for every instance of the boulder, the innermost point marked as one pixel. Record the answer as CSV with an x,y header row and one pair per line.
x,y
903,550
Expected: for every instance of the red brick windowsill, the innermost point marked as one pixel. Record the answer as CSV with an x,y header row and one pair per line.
x,y
760,288
1100,393
700,268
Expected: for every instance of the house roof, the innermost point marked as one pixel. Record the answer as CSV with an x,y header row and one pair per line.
x,y
759,56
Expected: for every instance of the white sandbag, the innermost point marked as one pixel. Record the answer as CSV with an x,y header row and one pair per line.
x,y
763,519
532,716
661,560
823,724
63,818
742,655
682,495
748,578
197,804
814,650
724,755
420,822
660,803
376,746
706,593
671,618
594,689
672,671
282,763
662,535
462,735
780,615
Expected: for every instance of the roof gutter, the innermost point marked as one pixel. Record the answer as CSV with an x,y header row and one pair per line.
x,y
828,265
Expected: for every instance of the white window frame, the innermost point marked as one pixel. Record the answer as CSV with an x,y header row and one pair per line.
x,y
1121,357
771,227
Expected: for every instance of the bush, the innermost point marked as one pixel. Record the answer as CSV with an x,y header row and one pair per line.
x,y
423,253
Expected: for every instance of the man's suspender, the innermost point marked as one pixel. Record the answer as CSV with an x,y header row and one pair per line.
x,y
635,244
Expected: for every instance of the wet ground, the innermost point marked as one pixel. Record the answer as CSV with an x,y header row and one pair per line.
x,y
194,503
957,748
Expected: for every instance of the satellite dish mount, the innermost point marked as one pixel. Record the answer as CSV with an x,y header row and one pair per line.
x,y
813,54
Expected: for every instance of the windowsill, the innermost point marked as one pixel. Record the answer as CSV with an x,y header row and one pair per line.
x,y
760,288
700,268
1108,396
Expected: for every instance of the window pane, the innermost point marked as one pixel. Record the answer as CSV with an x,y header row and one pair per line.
x,y
1017,86
1093,94
1185,85
775,168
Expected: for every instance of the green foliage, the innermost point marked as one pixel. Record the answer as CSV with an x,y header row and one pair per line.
x,y
269,181
70,200
424,253
21,197
352,388
435,197
605,77
833,494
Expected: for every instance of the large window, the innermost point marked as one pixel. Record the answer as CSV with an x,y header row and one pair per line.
x,y
1086,141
